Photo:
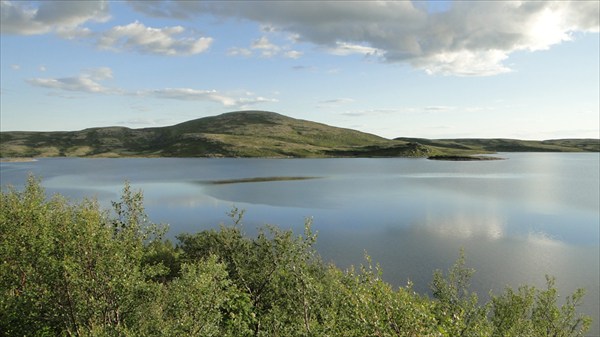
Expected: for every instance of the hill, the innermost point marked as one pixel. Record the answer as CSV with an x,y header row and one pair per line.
x,y
234,134
252,134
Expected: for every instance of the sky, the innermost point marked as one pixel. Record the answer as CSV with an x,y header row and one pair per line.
x,y
431,69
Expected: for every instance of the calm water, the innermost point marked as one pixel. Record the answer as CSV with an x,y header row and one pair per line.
x,y
517,219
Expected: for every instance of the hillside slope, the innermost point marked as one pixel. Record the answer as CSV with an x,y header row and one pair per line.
x,y
256,134
235,134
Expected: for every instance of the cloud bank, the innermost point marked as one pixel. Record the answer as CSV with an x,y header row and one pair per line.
x,y
469,38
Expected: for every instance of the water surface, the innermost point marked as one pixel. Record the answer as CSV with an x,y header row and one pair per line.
x,y
517,219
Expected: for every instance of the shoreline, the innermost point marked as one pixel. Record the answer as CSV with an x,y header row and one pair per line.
x,y
17,160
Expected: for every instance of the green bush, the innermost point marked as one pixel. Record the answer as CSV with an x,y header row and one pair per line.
x,y
73,269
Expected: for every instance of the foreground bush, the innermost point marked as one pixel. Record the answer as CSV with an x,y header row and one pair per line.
x,y
72,269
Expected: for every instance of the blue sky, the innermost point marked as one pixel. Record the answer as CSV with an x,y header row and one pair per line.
x,y
434,69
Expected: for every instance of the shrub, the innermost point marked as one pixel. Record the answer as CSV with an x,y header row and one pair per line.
x,y
72,269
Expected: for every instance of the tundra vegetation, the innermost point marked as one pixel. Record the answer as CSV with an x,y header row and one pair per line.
x,y
73,269
257,134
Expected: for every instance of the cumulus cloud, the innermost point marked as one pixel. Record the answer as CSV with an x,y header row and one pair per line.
x,y
148,40
62,17
468,38
66,19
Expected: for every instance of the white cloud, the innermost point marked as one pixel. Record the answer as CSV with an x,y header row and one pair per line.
x,y
80,83
15,67
87,81
266,48
22,18
343,49
465,63
147,40
235,51
66,19
468,38
293,54
188,94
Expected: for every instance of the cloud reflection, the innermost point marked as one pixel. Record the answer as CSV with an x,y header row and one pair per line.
x,y
466,226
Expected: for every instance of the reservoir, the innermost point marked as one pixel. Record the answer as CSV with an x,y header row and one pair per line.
x,y
516,219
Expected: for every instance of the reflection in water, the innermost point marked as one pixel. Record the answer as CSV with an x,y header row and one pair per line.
x,y
466,226
413,253
517,219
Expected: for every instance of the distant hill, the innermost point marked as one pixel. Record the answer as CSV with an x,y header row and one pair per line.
x,y
511,145
252,134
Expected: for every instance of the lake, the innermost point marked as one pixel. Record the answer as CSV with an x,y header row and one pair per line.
x,y
517,219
